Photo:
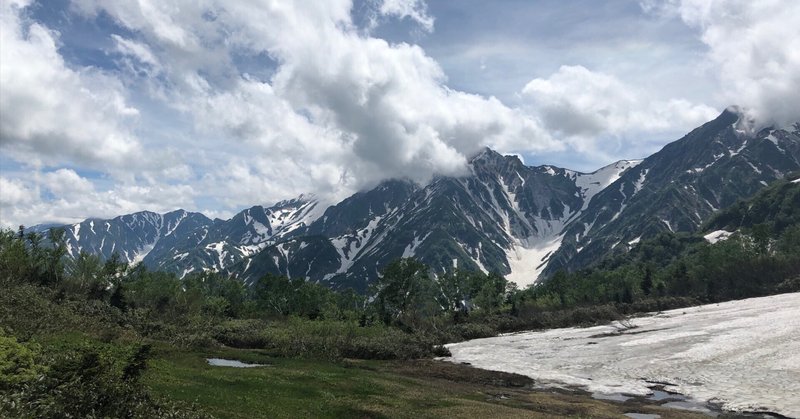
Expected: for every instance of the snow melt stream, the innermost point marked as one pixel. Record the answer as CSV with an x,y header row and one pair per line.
x,y
744,355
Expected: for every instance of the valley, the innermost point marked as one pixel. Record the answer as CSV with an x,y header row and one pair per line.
x,y
399,209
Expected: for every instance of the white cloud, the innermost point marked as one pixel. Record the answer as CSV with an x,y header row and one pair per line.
x,y
66,183
49,113
14,192
181,124
373,109
583,106
343,110
416,10
755,48
63,196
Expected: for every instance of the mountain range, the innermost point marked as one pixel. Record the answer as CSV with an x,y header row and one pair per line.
x,y
523,222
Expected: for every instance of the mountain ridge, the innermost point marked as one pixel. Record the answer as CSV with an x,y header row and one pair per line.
x,y
521,221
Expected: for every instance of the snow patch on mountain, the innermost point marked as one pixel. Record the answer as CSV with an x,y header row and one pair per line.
x,y
592,183
640,182
717,236
527,263
412,247
142,253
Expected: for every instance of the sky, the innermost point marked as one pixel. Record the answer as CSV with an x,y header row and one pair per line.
x,y
110,107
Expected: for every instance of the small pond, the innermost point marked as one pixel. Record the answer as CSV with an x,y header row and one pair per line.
x,y
219,362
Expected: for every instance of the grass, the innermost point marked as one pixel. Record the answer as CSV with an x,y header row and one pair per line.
x,y
286,388
298,388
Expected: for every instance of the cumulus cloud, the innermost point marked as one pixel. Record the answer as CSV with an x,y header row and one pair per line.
x,y
15,193
341,111
583,106
375,109
63,196
180,123
755,48
50,113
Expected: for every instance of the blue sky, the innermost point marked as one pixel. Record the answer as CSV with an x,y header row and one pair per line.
x,y
112,107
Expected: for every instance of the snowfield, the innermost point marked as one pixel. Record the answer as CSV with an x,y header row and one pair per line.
x,y
743,355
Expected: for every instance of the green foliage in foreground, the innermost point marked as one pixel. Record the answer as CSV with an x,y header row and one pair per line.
x,y
83,380
284,388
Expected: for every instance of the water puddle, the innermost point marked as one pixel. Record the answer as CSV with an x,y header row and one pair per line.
x,y
679,401
691,406
642,416
659,395
615,397
220,362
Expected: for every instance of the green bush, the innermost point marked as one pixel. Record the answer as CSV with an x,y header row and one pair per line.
x,y
467,331
27,310
242,333
392,344
85,381
17,362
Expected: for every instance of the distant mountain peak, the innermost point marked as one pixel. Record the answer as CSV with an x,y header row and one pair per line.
x,y
300,199
485,154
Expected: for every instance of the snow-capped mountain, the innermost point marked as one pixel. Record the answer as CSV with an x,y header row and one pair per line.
x,y
184,242
503,217
134,236
524,222
679,187
225,243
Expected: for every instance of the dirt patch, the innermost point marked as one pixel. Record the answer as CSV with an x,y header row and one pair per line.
x,y
426,368
518,393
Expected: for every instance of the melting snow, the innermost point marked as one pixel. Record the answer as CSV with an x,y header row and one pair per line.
x,y
755,169
260,229
738,150
640,182
742,354
142,253
716,236
592,183
528,262
219,249
172,228
410,250
774,140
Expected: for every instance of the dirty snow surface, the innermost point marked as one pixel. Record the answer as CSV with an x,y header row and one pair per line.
x,y
744,355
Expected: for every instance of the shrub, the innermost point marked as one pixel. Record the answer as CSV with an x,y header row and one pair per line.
x,y
81,382
17,362
244,334
467,331
392,344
